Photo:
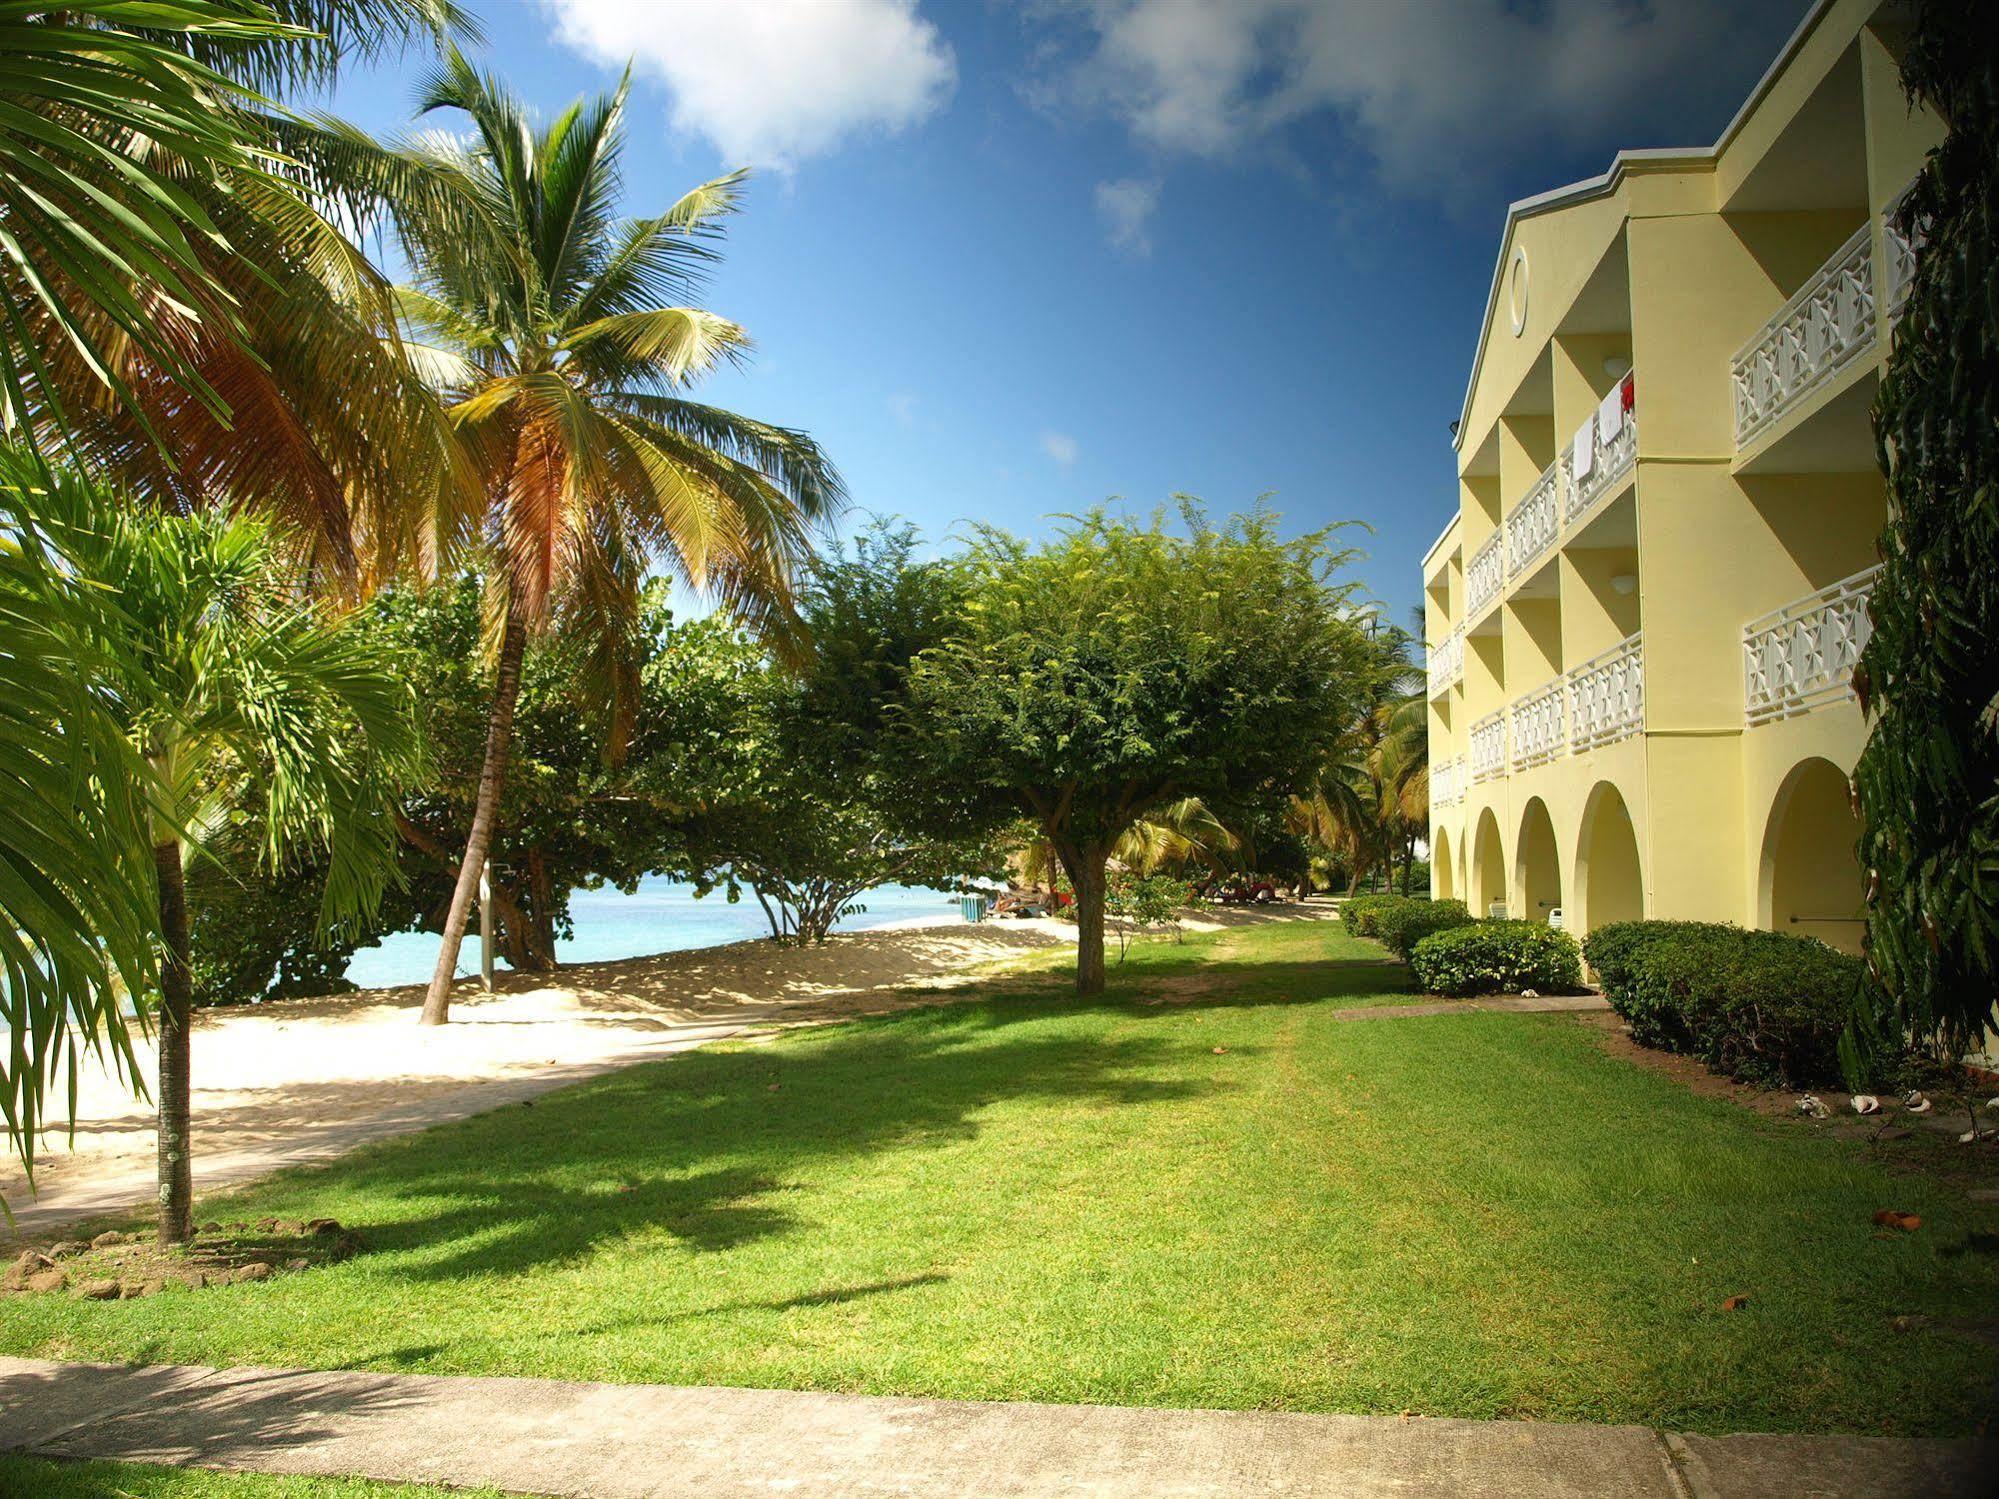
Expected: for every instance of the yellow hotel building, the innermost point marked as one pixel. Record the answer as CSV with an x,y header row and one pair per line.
x,y
1643,618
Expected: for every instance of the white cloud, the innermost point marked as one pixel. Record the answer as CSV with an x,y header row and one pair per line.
x,y
772,82
1126,207
902,407
1061,447
1435,90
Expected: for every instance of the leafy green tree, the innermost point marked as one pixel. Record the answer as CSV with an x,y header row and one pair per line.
x,y
1142,903
1370,801
560,338
230,680
812,805
1120,667
1927,784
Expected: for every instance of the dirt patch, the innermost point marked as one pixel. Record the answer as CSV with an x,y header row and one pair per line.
x,y
122,1267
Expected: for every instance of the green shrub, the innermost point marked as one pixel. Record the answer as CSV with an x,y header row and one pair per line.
x,y
1764,1007
1360,911
1400,927
1612,953
1497,957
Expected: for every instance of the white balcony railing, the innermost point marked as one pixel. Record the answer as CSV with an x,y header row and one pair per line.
x,y
1607,696
1534,523
1538,728
1610,438
1447,662
1447,782
1898,266
1488,747
1802,656
1485,575
1823,328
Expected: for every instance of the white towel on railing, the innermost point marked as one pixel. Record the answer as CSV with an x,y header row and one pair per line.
x,y
1610,415
1585,449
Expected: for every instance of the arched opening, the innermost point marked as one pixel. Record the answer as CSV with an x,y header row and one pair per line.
x,y
1443,876
1609,884
1488,869
1537,866
1811,882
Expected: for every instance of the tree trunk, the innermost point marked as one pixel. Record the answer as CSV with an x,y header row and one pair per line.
x,y
1085,864
540,934
176,1217
499,733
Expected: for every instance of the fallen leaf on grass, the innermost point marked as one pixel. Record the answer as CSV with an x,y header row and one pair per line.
x,y
1735,1303
1221,1051
1890,1218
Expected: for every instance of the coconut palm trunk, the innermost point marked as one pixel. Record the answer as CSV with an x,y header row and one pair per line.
x,y
492,776
176,1208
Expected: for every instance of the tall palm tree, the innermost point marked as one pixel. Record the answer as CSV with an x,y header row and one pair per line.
x,y
231,682
178,311
1373,793
561,339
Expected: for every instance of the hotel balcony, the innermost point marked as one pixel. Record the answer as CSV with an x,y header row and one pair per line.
x,y
1447,662
1599,703
1447,782
1604,451
1832,323
1538,729
1802,656
1607,696
1602,454
1488,747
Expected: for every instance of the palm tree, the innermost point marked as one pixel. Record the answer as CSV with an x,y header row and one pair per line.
x,y
557,335
1372,797
77,893
232,683
179,313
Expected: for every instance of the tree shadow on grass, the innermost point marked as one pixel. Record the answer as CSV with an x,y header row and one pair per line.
x,y
704,1148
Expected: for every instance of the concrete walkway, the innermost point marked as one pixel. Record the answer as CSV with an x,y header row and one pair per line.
x,y
648,1441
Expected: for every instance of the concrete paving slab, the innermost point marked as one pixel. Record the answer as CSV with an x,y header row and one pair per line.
x,y
664,1442
1751,1467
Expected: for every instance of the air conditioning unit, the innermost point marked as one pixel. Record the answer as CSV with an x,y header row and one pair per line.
x,y
1555,918
1497,910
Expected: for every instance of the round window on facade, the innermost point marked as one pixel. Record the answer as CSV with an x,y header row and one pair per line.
x,y
1516,290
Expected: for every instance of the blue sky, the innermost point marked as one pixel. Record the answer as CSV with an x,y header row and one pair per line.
x,y
1011,260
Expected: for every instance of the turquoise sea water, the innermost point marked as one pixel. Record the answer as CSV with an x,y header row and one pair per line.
x,y
660,916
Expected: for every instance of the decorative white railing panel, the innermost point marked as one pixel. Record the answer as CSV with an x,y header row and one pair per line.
x,y
1486,574
1899,258
1535,522
1488,747
1802,656
1447,783
1607,696
1823,328
1538,728
1612,438
1447,662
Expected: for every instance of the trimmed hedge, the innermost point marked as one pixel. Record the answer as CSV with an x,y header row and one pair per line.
x,y
1497,957
1764,1007
1359,912
1401,926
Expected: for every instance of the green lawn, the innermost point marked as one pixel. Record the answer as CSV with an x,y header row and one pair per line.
x,y
1229,1198
25,1476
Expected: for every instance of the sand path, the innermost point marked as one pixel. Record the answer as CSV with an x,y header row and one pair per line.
x,y
305,1080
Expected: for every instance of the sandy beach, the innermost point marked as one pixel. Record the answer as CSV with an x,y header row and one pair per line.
x,y
304,1080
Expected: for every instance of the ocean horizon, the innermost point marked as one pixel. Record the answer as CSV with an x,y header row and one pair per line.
x,y
660,916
